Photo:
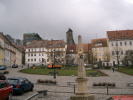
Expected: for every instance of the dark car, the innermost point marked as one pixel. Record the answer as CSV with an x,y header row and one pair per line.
x,y
6,90
2,67
14,66
2,77
20,85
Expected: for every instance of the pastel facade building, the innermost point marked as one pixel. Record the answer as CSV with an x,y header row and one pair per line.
x,y
45,51
119,42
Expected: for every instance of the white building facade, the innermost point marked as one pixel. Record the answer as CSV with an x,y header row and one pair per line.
x,y
119,42
40,52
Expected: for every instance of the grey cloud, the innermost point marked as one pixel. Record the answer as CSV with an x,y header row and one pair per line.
x,y
52,18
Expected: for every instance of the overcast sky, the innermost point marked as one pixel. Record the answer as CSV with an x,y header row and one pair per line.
x,y
51,18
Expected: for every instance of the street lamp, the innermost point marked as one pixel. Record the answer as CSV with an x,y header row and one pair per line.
x,y
53,63
54,66
14,62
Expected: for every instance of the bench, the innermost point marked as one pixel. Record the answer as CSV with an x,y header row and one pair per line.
x,y
93,74
67,68
130,84
70,83
52,73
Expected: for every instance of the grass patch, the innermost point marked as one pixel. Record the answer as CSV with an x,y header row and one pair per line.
x,y
61,72
126,69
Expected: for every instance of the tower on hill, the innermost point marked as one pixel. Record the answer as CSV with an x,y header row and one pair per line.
x,y
69,37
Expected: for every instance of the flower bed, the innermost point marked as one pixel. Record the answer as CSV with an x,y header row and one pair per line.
x,y
104,84
46,81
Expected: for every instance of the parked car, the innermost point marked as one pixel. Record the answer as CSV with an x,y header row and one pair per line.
x,y
20,85
6,90
2,67
14,66
2,76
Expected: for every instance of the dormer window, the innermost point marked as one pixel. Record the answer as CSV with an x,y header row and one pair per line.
x,y
118,34
124,37
71,50
113,37
127,33
98,44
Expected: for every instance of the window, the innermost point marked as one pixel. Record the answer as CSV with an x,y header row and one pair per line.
x,y
3,84
112,52
112,43
116,44
34,54
121,52
118,34
42,54
28,55
35,59
59,45
120,43
125,43
130,42
98,44
29,60
31,54
29,50
39,54
50,45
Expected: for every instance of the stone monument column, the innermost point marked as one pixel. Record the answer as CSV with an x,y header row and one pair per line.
x,y
82,92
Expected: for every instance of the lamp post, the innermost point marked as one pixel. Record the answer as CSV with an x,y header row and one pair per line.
x,y
14,62
54,66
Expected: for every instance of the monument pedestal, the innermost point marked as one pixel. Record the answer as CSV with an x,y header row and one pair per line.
x,y
82,92
82,97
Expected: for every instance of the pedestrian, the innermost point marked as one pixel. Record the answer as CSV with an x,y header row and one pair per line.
x,y
28,65
113,69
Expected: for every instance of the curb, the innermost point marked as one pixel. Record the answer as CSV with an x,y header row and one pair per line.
x,y
31,96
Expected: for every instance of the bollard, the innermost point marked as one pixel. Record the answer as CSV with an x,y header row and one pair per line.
x,y
74,89
42,93
107,89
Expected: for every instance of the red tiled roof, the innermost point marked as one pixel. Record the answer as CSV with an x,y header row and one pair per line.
x,y
2,36
89,46
103,41
46,44
121,34
72,49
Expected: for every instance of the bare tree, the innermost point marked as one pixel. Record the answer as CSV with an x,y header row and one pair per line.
x,y
92,57
116,53
70,58
128,58
56,56
107,56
